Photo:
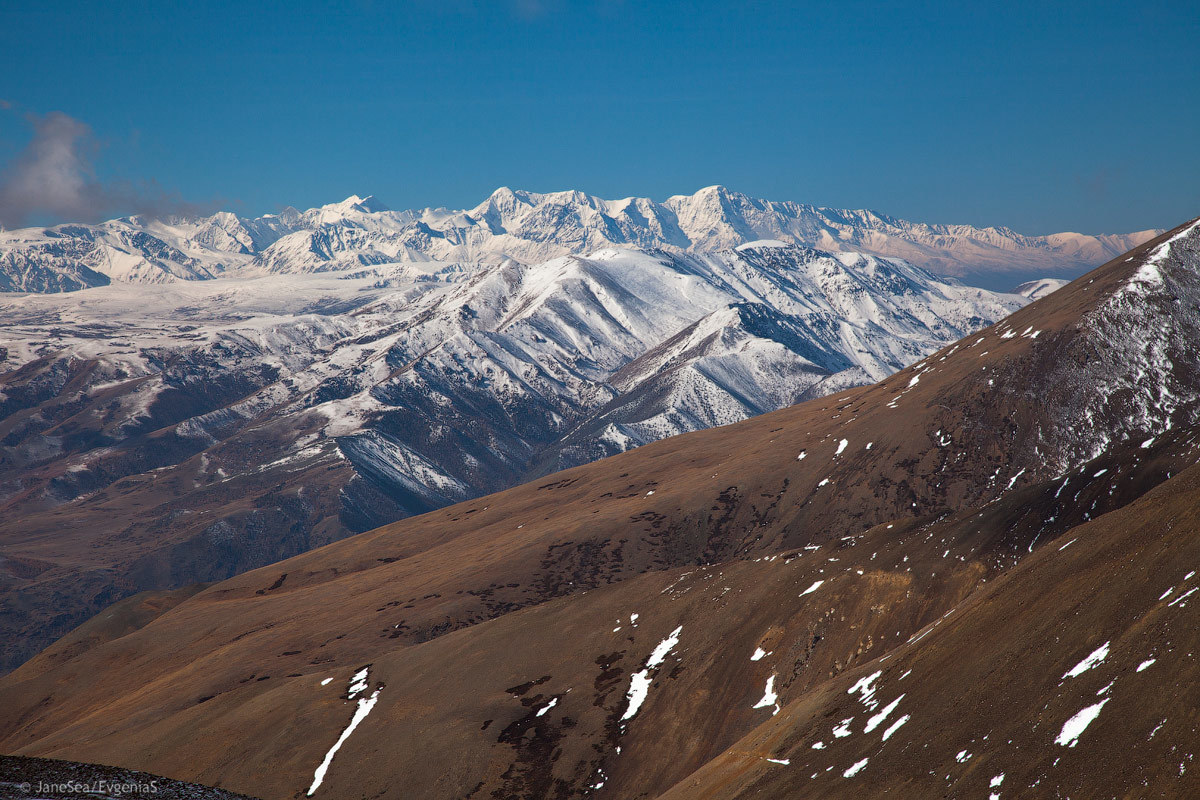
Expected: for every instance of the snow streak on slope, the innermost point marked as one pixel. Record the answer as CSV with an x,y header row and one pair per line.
x,y
1134,368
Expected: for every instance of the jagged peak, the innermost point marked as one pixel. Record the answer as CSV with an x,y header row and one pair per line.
x,y
713,192
352,203
505,199
373,204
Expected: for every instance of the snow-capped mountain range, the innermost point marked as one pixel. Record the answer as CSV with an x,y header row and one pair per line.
x,y
189,430
523,226
232,391
455,381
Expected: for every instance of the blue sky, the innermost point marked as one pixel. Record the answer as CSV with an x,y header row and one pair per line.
x,y
1039,116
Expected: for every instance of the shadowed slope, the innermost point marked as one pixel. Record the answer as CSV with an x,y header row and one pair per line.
x,y
1072,676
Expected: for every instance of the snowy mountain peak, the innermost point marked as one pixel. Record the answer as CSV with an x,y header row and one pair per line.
x,y
357,203
350,206
713,193
504,201
372,204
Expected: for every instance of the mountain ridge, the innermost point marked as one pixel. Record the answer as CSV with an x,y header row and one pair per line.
x,y
526,226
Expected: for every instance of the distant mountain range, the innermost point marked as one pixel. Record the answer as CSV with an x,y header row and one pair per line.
x,y
527,227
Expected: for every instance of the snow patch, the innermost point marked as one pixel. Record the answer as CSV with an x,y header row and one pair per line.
x,y
1073,728
769,697
1098,655
358,684
876,720
894,727
639,683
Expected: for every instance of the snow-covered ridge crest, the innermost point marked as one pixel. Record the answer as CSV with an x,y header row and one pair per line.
x,y
1131,370
436,384
528,227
